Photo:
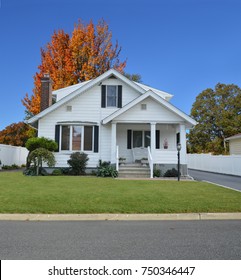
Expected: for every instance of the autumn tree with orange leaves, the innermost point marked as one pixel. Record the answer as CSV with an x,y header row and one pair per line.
x,y
86,54
16,134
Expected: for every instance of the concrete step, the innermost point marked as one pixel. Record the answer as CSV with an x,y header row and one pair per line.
x,y
134,171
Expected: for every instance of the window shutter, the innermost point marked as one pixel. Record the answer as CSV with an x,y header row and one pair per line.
x,y
103,96
96,139
157,139
129,134
119,102
57,132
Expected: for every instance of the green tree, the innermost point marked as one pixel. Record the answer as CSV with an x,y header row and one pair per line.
x,y
40,155
133,77
39,142
218,113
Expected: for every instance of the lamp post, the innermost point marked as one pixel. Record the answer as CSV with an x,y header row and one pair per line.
x,y
178,160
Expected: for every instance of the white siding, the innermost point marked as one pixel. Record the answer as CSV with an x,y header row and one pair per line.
x,y
86,108
161,155
235,146
128,94
153,112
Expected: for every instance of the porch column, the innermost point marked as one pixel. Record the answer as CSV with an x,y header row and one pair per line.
x,y
183,153
153,138
113,142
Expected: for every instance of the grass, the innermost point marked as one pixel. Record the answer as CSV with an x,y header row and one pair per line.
x,y
60,194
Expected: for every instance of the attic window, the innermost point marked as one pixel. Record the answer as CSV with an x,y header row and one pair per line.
x,y
69,108
143,106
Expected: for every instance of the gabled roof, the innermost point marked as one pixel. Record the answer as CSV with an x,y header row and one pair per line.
x,y
164,94
61,93
84,88
237,136
157,98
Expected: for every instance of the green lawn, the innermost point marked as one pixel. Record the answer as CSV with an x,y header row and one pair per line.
x,y
22,194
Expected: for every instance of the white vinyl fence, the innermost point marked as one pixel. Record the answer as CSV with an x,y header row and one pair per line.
x,y
220,164
10,155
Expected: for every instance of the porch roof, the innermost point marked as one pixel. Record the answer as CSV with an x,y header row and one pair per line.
x,y
188,120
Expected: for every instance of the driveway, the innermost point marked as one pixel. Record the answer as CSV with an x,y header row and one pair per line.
x,y
233,182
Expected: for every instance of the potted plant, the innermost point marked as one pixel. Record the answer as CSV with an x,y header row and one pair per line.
x,y
165,144
122,160
144,161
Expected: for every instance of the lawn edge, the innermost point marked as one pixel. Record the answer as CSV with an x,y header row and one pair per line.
x,y
121,217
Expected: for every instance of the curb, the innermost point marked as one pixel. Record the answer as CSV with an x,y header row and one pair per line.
x,y
121,217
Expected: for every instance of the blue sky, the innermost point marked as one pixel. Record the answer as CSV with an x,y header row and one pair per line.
x,y
179,46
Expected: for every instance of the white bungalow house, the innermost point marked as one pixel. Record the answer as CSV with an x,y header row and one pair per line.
x,y
234,144
111,117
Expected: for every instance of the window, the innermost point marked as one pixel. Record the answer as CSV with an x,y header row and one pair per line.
x,y
137,139
65,135
111,96
140,138
76,138
147,138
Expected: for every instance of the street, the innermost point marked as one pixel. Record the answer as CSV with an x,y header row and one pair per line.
x,y
230,181
121,240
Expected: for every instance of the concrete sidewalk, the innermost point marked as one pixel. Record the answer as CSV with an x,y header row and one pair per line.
x,y
120,217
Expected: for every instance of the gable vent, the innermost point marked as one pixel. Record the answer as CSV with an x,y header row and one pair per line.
x,y
143,106
69,108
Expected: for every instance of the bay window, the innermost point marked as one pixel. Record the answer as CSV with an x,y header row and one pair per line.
x,y
76,138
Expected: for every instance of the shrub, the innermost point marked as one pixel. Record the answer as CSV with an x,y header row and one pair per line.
x,y
157,173
39,142
57,172
10,167
106,170
171,173
31,171
78,162
42,142
40,155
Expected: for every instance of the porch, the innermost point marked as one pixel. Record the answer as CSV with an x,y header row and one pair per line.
x,y
155,142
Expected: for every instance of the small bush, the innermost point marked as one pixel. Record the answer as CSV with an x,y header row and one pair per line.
x,y
157,173
10,167
31,171
57,172
65,170
78,162
171,173
106,170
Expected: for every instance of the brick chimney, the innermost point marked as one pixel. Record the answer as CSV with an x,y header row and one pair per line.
x,y
46,92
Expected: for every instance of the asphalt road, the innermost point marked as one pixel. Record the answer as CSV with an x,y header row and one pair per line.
x,y
121,240
230,181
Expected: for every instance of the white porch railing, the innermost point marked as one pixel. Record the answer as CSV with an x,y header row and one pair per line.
x,y
117,158
150,160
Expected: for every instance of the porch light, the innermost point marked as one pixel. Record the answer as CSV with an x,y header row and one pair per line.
x,y
179,147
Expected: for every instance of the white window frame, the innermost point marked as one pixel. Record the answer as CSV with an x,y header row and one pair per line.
x,y
116,96
71,138
143,137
